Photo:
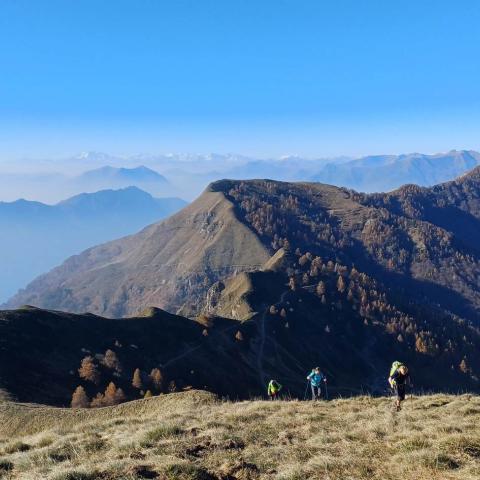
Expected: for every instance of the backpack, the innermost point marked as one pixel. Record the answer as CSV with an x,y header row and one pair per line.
x,y
274,387
395,366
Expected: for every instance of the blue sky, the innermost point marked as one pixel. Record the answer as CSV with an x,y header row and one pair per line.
x,y
316,78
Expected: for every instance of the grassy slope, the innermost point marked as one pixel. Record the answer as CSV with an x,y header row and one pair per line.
x,y
193,436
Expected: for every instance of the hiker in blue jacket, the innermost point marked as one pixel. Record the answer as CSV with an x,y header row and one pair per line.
x,y
316,378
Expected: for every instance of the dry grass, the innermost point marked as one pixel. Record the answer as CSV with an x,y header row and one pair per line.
x,y
192,436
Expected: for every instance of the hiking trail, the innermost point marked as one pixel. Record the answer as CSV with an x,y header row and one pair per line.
x,y
261,347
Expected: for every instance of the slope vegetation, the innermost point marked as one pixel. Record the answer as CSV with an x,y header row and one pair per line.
x,y
193,436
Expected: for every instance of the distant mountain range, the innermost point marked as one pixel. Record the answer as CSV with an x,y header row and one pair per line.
x,y
34,237
114,177
386,172
188,175
54,186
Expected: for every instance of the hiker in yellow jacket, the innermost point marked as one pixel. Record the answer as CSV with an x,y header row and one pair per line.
x,y
273,389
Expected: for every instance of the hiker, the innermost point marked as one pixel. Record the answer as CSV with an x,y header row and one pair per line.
x,y
398,379
273,389
316,378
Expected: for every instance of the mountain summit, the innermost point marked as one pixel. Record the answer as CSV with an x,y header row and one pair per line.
x,y
421,242
169,264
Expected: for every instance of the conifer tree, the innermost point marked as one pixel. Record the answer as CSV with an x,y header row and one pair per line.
x,y
79,398
157,379
88,370
321,288
98,401
464,366
110,360
137,381
110,396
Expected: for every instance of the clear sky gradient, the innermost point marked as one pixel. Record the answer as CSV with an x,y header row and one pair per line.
x,y
259,77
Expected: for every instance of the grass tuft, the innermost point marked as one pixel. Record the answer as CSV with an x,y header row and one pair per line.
x,y
186,471
6,466
17,447
160,433
75,475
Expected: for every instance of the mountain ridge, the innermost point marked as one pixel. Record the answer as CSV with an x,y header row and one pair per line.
x,y
386,235
210,215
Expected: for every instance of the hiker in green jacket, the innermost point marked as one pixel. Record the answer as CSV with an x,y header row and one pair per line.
x,y
273,389
398,379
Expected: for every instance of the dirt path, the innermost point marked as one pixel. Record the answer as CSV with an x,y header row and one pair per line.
x,y
190,350
261,348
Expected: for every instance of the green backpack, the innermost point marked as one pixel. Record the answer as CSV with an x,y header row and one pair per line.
x,y
395,367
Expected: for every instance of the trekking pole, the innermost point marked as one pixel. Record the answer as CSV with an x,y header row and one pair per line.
x,y
306,390
326,390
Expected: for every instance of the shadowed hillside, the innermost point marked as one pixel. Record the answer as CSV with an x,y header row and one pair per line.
x,y
41,353
193,436
297,312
